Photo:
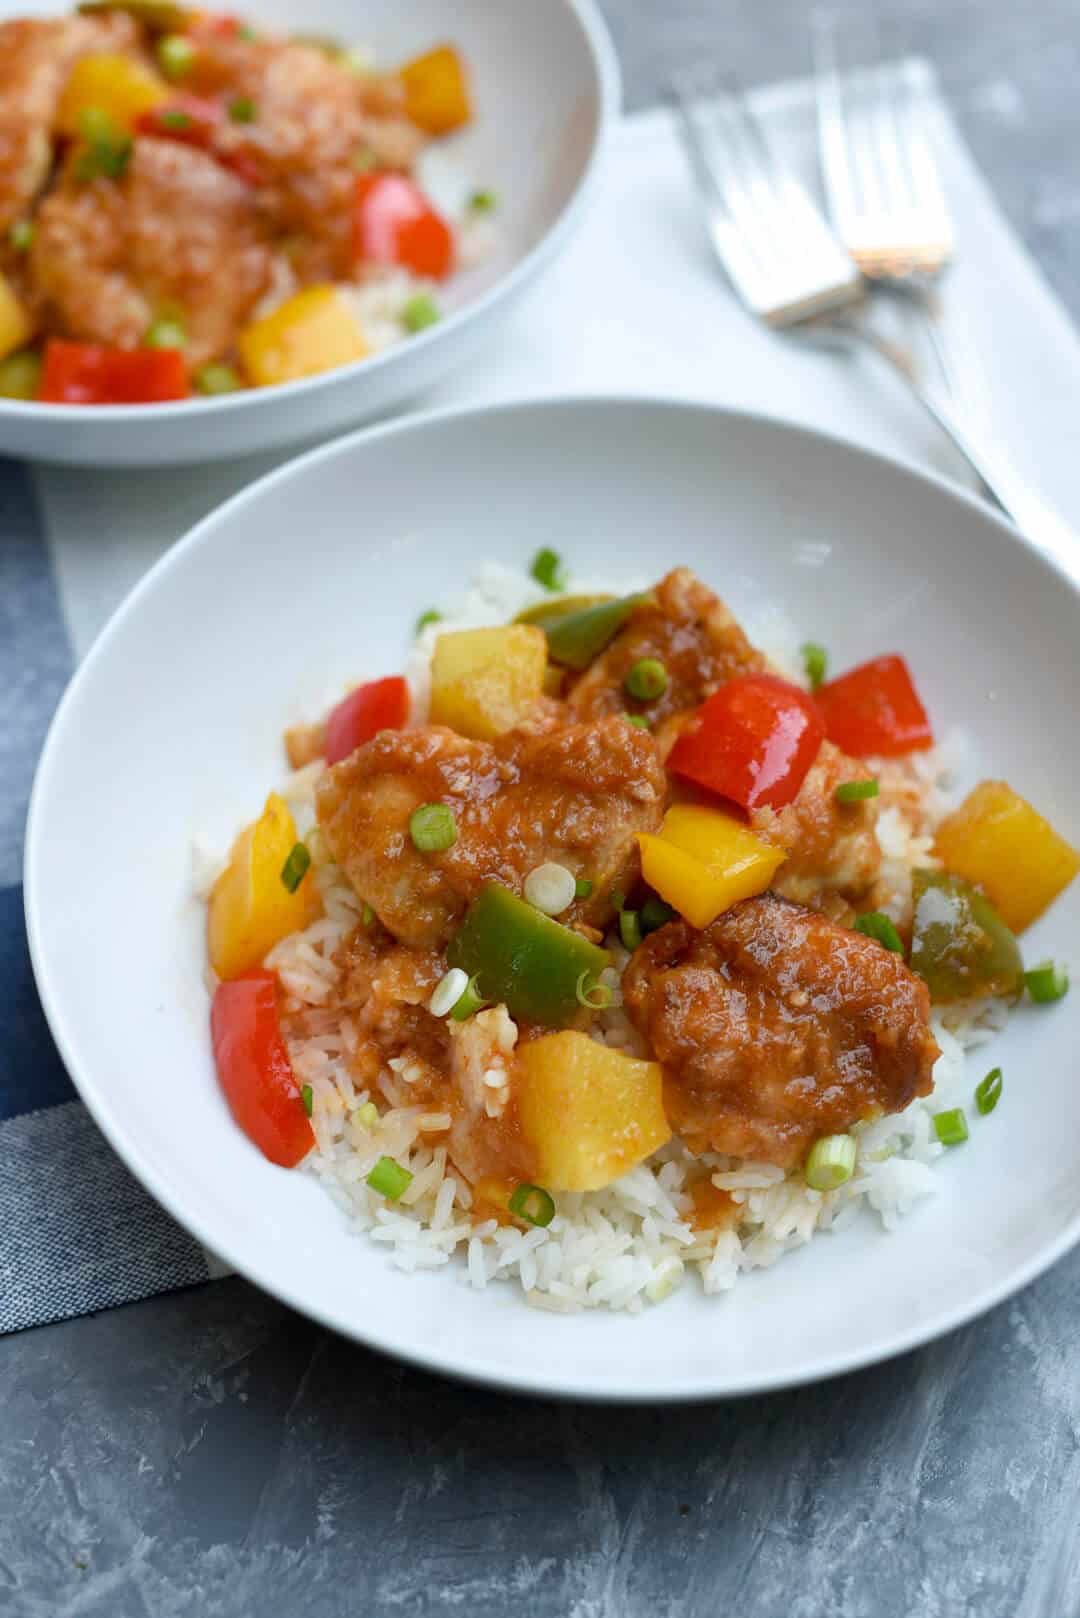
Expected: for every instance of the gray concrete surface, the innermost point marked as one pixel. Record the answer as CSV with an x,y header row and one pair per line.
x,y
211,1455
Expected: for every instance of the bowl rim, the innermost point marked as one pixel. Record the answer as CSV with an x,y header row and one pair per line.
x,y
945,1318
608,84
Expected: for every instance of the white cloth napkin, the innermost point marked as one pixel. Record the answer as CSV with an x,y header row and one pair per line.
x,y
637,304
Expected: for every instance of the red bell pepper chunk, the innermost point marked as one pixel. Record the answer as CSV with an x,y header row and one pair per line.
x,y
379,705
254,1069
192,119
753,741
394,223
88,373
875,708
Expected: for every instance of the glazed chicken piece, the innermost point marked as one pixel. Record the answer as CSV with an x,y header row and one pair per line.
x,y
312,117
176,233
832,848
36,56
690,631
776,1026
576,796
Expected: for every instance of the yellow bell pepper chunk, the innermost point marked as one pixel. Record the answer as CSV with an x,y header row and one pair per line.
x,y
589,1112
998,841
704,861
484,681
251,909
314,330
436,91
118,86
16,322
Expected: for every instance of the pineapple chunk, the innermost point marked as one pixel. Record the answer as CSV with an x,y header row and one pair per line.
x,y
997,840
589,1112
484,681
314,330
117,86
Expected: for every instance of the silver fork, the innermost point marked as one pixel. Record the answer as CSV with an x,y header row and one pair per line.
x,y
790,271
889,209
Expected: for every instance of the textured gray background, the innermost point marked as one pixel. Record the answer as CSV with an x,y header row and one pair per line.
x,y
211,1455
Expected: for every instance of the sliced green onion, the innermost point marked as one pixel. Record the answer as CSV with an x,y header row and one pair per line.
x,y
366,1115
655,913
856,791
308,1098
176,56
213,379
432,616
551,888
433,828
830,1162
242,110
638,720
547,569
815,662
951,1127
988,1093
592,993
533,1204
646,680
482,202
389,1179
582,887
246,33
421,310
1047,982
367,915
295,868
20,235
448,991
617,898
364,160
875,924
469,1001
629,929
165,334
174,118
107,152
95,124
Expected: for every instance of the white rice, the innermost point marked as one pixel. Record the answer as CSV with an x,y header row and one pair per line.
x,y
633,1242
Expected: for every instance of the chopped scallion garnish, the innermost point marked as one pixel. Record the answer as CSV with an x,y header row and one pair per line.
x,y
367,1115
246,33
655,913
308,1098
830,1163
547,569
242,110
617,897
295,868
107,151
533,1204
646,680
1047,982
856,791
875,924
165,334
482,202
988,1093
367,915
433,828
629,929
815,662
594,994
214,379
419,311
448,991
176,56
469,1002
432,616
20,235
389,1179
582,887
951,1127
174,118
638,720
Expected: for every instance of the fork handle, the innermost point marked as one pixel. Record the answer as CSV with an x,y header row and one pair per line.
x,y
1017,499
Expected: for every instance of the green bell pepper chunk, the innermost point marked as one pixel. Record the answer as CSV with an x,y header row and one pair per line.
x,y
960,946
556,608
524,959
576,637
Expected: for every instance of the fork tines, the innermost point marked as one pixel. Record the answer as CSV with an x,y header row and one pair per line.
x,y
780,255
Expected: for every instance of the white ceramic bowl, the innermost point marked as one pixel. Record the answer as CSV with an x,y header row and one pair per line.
x,y
546,91
315,575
